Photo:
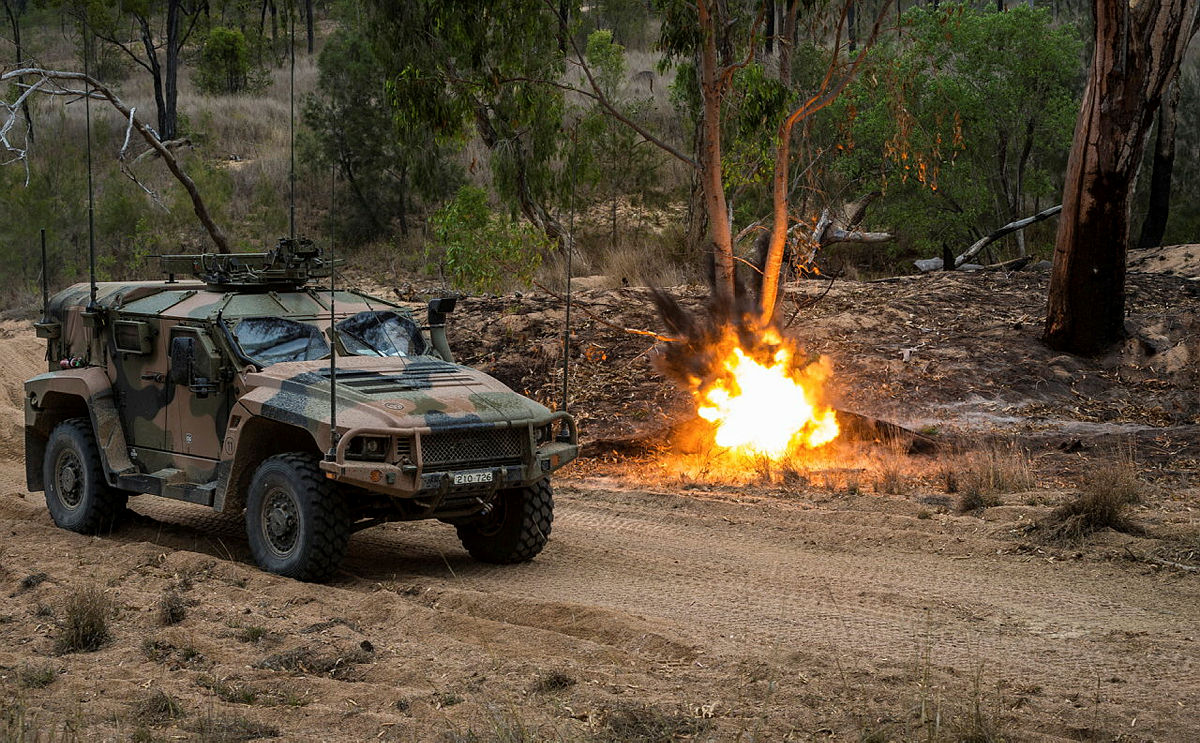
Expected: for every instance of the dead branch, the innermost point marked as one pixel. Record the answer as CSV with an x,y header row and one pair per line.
x,y
602,321
170,144
51,82
935,264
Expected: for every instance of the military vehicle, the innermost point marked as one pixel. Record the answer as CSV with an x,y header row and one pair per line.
x,y
317,412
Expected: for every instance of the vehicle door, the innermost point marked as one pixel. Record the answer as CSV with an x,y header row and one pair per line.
x,y
198,398
139,373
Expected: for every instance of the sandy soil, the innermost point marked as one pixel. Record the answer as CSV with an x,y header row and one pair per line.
x,y
845,598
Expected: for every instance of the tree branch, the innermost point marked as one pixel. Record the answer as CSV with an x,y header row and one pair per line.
x,y
99,91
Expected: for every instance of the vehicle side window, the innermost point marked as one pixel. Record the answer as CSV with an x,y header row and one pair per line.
x,y
274,340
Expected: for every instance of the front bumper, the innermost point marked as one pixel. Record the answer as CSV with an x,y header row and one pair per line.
x,y
409,475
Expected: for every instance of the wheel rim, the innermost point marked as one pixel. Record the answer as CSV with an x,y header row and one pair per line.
x,y
69,479
280,521
491,525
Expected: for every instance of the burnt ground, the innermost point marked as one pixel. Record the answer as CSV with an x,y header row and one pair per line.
x,y
847,596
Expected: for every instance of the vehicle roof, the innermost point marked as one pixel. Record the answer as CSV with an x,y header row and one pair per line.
x,y
197,301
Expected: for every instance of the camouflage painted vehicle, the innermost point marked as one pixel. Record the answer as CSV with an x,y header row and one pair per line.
x,y
218,392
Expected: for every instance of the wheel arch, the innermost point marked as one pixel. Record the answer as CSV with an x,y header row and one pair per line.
x,y
54,407
252,443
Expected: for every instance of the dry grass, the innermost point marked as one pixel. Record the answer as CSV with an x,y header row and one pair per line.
x,y
635,723
996,470
231,728
157,708
1103,502
85,622
37,677
553,681
172,609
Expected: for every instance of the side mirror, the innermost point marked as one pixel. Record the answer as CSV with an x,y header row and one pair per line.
x,y
182,355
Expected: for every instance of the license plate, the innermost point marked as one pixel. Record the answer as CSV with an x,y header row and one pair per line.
x,y
473,478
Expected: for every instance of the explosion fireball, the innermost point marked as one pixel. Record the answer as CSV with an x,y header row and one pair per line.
x,y
766,407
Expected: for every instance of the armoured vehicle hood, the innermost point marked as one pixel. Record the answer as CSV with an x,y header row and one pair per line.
x,y
417,392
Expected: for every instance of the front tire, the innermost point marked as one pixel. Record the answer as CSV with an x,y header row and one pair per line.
x,y
297,522
517,530
77,495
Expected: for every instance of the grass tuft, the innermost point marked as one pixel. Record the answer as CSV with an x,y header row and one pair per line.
x,y
1102,503
634,723
157,708
37,677
172,609
85,622
552,681
231,729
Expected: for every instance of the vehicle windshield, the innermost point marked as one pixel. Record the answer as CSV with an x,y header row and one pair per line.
x,y
274,340
380,333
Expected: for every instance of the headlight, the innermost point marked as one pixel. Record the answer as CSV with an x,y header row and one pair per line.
x,y
370,448
545,434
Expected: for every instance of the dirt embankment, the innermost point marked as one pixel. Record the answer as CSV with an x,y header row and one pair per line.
x,y
844,598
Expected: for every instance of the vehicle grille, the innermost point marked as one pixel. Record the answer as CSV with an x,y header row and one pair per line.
x,y
465,449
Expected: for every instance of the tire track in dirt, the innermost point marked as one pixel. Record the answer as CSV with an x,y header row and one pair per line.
x,y
670,587
673,580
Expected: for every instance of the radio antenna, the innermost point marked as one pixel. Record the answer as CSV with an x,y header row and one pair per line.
x,y
45,281
292,123
333,432
87,113
570,245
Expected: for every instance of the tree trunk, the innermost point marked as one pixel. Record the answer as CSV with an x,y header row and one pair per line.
x,y
1137,54
156,73
171,78
1159,209
712,90
14,12
309,24
769,36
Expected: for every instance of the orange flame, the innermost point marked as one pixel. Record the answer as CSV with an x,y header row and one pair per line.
x,y
766,408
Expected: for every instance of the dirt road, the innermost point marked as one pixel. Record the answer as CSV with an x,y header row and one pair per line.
x,y
726,613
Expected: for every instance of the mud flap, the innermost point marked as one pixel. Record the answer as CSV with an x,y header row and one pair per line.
x,y
35,452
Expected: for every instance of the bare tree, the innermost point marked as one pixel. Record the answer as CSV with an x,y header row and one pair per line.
x,y
57,82
135,30
1139,46
1154,226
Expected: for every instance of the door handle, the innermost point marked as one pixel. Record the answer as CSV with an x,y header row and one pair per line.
x,y
153,377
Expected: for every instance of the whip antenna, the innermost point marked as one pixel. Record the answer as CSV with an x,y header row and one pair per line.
x,y
87,113
45,281
292,124
570,252
333,432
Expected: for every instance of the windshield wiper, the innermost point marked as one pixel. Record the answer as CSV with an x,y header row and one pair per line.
x,y
386,334
358,338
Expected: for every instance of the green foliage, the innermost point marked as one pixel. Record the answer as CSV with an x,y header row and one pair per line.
x,y
606,158
973,114
385,160
225,63
460,63
483,250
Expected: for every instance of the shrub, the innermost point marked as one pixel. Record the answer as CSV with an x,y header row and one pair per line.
x,y
224,65
484,250
1103,503
172,609
85,622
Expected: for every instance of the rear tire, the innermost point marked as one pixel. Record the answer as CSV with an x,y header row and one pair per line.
x,y
77,495
297,522
517,530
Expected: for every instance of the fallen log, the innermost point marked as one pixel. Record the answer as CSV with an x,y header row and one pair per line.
x,y
936,264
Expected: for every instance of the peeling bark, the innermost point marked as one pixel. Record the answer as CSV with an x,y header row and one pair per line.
x,y
1138,51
